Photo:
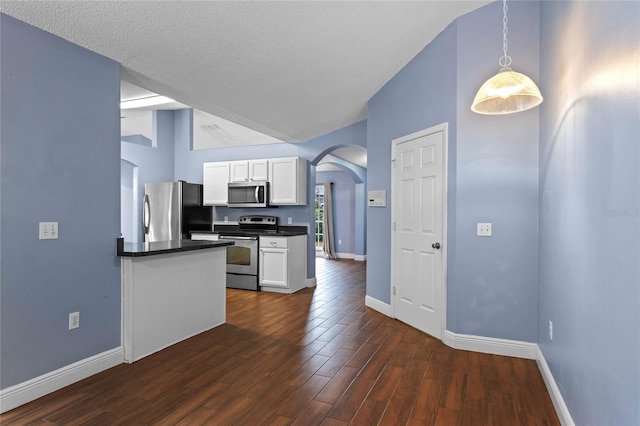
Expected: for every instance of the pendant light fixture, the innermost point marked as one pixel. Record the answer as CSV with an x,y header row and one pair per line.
x,y
508,91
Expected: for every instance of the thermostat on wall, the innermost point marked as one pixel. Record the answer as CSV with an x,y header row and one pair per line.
x,y
377,198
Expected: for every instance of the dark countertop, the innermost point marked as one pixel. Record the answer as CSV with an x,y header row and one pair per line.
x,y
283,231
163,247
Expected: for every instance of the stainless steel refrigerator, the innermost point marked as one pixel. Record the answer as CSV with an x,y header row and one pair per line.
x,y
172,210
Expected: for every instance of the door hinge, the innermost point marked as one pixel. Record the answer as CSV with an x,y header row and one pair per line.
x,y
394,290
394,226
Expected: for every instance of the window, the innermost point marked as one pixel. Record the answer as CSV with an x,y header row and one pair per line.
x,y
319,217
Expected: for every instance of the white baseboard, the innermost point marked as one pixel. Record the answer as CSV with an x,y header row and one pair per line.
x,y
556,397
33,389
311,282
352,256
490,345
383,308
345,255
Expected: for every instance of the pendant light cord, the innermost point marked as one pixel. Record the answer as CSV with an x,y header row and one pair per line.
x,y
505,60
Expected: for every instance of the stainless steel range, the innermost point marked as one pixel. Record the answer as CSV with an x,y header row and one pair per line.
x,y
242,257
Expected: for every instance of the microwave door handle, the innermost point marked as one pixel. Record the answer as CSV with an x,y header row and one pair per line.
x,y
257,193
146,214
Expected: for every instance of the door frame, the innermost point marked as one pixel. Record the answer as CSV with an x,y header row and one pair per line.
x,y
443,127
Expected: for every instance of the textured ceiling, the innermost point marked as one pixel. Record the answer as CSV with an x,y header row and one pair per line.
x,y
293,70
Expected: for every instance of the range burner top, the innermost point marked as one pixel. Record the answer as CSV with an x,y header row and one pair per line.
x,y
257,223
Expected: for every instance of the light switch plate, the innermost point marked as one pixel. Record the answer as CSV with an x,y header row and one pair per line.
x,y
484,229
74,320
48,231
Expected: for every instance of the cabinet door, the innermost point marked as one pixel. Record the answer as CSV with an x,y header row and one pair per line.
x,y
284,182
258,170
238,171
215,180
273,267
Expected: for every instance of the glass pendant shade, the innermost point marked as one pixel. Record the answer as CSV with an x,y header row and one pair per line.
x,y
505,93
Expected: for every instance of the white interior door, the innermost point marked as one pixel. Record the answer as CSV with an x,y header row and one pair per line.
x,y
418,245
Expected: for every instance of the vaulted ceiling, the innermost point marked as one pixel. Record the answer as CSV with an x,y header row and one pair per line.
x,y
292,69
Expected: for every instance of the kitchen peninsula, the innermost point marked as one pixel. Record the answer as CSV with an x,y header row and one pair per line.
x,y
171,290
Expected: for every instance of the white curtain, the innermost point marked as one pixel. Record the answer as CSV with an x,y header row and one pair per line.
x,y
327,223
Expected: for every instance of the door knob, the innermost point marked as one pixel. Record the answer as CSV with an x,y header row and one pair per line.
x,y
436,246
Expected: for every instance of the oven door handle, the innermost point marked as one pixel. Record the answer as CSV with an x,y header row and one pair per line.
x,y
223,237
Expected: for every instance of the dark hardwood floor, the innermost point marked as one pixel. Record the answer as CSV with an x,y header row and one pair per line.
x,y
315,357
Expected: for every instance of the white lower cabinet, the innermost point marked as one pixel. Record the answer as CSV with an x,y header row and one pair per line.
x,y
283,263
273,271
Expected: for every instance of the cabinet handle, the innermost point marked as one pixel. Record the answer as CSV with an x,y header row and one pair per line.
x,y
273,243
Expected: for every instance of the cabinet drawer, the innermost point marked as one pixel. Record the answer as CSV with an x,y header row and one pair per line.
x,y
274,242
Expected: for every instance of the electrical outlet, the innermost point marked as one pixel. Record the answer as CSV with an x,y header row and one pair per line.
x,y
289,220
74,320
226,219
550,330
339,242
484,230
48,230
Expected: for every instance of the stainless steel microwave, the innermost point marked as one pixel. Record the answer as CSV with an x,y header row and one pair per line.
x,y
248,194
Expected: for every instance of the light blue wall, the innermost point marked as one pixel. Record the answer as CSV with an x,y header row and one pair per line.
x,y
360,214
153,163
421,95
128,194
492,283
494,288
590,207
344,192
60,161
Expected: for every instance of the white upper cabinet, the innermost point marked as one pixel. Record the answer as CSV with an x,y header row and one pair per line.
x,y
238,171
248,171
288,181
259,170
215,179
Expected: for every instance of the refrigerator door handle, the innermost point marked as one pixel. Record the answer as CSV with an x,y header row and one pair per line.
x,y
146,214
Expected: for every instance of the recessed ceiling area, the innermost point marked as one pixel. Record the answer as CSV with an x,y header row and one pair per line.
x,y
292,70
209,131
130,91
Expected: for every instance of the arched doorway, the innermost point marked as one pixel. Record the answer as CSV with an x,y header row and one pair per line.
x,y
344,167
